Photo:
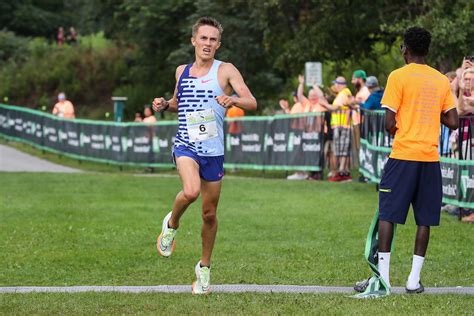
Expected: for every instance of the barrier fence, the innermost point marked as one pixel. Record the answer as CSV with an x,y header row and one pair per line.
x,y
285,142
281,142
455,148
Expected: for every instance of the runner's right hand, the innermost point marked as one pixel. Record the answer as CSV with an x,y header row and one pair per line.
x,y
159,104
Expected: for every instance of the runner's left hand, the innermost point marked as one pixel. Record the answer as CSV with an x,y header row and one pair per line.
x,y
226,101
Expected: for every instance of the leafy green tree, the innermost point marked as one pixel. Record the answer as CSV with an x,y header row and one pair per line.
x,y
452,26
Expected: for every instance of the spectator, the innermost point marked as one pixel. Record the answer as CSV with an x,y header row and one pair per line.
x,y
341,125
72,37
305,105
138,117
235,127
310,103
296,108
149,117
60,36
376,94
461,87
359,78
315,102
235,130
64,108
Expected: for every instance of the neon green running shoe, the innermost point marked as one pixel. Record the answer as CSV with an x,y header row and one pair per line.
x,y
203,280
165,242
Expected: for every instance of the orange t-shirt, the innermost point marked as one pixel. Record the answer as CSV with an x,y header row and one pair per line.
x,y
418,94
235,111
306,106
235,127
297,108
64,109
316,107
149,119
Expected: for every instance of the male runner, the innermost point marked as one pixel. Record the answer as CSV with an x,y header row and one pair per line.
x,y
202,95
416,99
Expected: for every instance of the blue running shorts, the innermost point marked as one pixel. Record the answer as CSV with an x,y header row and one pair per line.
x,y
210,168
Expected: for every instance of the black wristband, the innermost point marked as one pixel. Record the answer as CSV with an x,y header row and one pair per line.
x,y
166,107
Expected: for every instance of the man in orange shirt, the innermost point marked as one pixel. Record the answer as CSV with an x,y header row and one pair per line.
x,y
64,108
235,127
415,99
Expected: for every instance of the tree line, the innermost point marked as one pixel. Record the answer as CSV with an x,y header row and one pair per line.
x,y
133,47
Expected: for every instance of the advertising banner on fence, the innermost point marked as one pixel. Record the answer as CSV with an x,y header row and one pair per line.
x,y
281,142
285,142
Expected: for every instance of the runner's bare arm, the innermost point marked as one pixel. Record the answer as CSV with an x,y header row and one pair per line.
x,y
171,105
244,98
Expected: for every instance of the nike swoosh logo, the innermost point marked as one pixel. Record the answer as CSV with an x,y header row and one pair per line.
x,y
205,81
163,248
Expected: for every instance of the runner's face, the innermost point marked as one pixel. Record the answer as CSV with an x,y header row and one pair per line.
x,y
206,42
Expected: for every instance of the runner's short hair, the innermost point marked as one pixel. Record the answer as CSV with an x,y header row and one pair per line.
x,y
418,40
205,20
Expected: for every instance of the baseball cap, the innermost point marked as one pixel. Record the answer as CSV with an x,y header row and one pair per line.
x,y
371,82
359,74
339,80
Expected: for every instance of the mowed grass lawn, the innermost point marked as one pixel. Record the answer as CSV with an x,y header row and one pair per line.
x,y
100,229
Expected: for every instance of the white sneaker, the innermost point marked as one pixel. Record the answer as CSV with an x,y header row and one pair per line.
x,y
165,241
203,280
297,176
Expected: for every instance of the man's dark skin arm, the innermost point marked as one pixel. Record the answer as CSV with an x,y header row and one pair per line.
x,y
450,119
390,122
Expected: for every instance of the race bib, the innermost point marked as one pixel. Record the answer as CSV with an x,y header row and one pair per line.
x,y
201,125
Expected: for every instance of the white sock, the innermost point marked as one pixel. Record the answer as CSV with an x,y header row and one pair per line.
x,y
414,277
384,266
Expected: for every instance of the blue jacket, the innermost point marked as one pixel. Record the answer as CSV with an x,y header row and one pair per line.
x,y
373,101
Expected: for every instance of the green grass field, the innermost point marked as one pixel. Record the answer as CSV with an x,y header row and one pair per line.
x,y
100,229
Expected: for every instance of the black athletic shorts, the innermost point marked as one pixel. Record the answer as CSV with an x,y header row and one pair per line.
x,y
407,182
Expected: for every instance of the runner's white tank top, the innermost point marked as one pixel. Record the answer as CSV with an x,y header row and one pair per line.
x,y
198,94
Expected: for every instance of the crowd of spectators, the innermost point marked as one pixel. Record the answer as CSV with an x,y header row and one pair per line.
x,y
342,119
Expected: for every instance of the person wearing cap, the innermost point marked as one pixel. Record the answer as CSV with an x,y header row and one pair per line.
x,y
64,108
362,94
341,125
359,78
376,94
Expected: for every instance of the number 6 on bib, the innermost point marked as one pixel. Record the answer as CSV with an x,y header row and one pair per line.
x,y
201,125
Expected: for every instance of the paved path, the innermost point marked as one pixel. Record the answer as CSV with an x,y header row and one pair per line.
x,y
12,160
224,288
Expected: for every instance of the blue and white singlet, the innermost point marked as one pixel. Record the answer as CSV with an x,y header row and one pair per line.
x,y
198,94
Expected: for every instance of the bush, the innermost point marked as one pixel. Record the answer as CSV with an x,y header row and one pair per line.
x,y
88,73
